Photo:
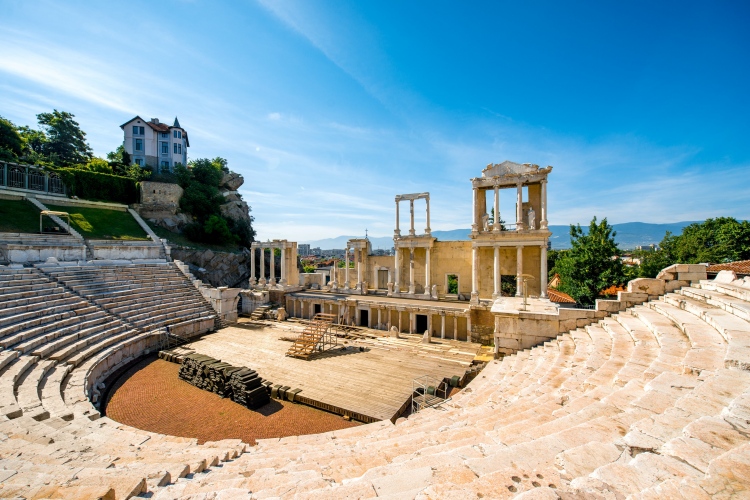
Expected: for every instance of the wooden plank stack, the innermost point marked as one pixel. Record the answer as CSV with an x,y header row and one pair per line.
x,y
240,384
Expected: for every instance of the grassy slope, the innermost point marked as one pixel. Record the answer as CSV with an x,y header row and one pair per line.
x,y
20,216
102,224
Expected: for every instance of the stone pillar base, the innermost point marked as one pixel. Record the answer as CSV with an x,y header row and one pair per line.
x,y
474,298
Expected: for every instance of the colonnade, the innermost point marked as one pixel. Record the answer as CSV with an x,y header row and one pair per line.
x,y
412,198
284,246
411,283
497,277
521,224
379,314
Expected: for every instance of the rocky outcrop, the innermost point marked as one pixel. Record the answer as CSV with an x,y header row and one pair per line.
x,y
231,181
234,207
216,268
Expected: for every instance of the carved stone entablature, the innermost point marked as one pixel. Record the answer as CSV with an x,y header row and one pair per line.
x,y
413,196
422,241
509,173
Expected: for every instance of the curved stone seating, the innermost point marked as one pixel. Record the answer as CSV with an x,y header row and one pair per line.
x,y
149,297
652,401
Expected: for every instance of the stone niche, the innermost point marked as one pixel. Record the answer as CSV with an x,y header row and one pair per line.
x,y
160,204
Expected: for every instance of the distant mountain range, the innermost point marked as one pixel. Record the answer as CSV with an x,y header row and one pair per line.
x,y
629,235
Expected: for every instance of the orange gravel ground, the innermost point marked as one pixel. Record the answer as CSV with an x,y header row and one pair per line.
x,y
150,396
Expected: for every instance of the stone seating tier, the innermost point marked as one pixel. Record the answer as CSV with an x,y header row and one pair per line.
x,y
652,401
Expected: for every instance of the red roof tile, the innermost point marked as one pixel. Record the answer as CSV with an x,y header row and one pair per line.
x,y
739,267
559,297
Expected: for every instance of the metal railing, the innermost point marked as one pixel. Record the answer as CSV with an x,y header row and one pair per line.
x,y
31,178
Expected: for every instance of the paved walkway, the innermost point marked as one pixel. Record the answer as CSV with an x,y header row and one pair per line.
x,y
151,397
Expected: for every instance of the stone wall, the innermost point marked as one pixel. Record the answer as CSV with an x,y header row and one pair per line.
x,y
216,268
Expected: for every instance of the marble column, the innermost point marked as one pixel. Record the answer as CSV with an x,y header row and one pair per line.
x,y
543,223
273,267
283,264
411,270
427,230
496,225
358,316
262,266
429,324
442,325
497,289
252,266
411,322
400,329
359,267
397,265
519,206
397,231
519,271
411,216
346,269
427,272
455,327
468,327
369,318
474,274
543,273
475,224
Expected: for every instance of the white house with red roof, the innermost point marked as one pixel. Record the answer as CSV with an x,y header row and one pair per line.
x,y
155,144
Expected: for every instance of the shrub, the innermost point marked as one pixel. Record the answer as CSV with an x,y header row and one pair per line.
x,y
99,186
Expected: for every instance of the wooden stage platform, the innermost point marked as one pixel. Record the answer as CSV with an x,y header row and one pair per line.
x,y
374,382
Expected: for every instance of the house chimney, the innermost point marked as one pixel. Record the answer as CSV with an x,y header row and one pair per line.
x,y
155,121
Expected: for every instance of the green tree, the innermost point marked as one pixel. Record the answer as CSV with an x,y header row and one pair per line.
x,y
592,264
66,143
11,142
97,165
723,239
34,142
119,160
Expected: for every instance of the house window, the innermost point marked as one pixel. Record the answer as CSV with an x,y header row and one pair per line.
x,y
164,135
139,162
139,144
174,133
138,130
178,149
179,134
175,148
165,164
165,148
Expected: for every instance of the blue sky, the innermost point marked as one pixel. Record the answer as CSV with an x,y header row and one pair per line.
x,y
329,109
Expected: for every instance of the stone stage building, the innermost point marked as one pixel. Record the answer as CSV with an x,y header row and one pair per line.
x,y
450,289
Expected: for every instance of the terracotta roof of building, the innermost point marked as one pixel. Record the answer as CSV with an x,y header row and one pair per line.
x,y
159,127
559,297
739,267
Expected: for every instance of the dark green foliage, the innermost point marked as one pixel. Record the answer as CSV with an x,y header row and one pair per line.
x,y
452,284
243,231
723,239
202,199
99,186
508,286
208,172
11,142
66,143
592,264
35,142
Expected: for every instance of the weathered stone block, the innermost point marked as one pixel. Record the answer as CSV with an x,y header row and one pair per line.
x,y
725,277
692,276
671,286
609,305
632,297
649,286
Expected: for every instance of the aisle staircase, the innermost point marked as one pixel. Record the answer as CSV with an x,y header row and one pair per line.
x,y
314,338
